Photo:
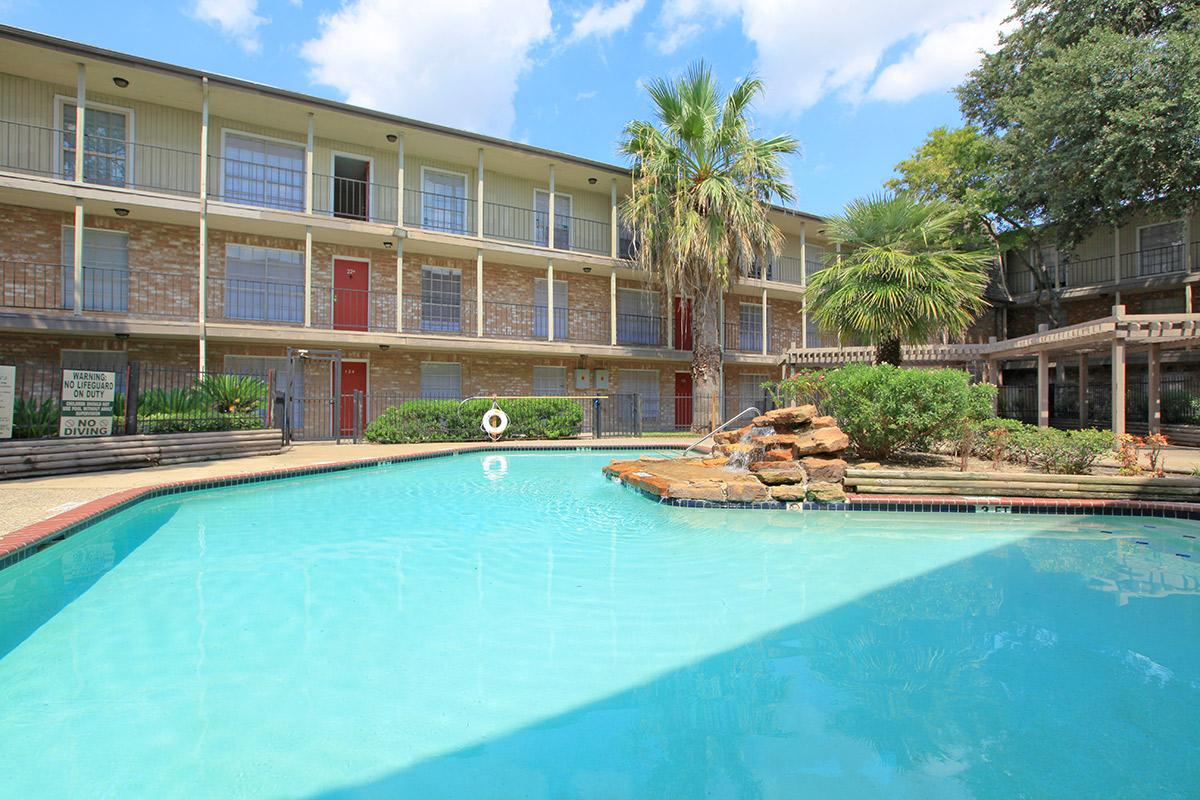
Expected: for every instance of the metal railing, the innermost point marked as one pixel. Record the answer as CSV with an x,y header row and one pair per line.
x,y
439,212
438,318
353,199
648,330
129,292
781,269
1153,261
342,309
254,183
276,303
748,338
1085,272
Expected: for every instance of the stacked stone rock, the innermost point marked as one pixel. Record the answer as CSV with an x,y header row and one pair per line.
x,y
799,460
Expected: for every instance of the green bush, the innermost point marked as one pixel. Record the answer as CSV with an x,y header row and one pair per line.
x,y
451,421
169,401
172,423
886,410
226,394
33,420
1068,452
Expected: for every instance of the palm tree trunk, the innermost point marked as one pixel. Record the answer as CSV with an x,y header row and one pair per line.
x,y
706,360
887,351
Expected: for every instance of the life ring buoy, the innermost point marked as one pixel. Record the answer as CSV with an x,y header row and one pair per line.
x,y
494,423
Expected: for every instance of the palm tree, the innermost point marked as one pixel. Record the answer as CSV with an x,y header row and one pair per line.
x,y
699,209
899,277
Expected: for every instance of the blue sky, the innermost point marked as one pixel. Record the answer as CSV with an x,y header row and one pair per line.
x,y
858,82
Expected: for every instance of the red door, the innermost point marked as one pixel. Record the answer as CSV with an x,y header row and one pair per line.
x,y
683,400
683,326
354,376
351,295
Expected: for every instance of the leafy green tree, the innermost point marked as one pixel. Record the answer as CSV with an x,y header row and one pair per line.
x,y
702,187
901,275
1094,108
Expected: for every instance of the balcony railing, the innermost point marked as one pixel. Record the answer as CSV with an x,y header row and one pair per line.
x,y
1153,261
350,198
783,269
644,330
741,338
107,161
120,292
254,183
270,302
342,309
1097,271
438,318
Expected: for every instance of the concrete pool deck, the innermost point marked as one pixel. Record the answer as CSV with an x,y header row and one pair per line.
x,y
31,500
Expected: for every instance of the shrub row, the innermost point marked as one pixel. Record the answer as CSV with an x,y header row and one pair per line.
x,y
451,421
1049,449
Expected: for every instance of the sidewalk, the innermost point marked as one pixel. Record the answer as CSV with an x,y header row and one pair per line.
x,y
23,502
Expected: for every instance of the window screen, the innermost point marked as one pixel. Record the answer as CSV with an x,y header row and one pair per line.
x,y
441,381
549,381
105,269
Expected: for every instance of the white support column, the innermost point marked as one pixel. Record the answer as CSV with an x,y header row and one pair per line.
x,y
1116,254
993,377
1187,298
550,216
399,184
479,207
765,328
1083,389
202,280
670,323
1187,245
614,228
804,285
1118,378
80,107
308,287
400,285
1153,393
1043,389
479,290
550,292
721,320
308,168
612,307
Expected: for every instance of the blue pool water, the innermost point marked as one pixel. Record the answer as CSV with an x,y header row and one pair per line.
x,y
517,626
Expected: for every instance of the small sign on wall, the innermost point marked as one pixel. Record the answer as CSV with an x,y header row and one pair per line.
x,y
583,379
601,379
8,393
87,403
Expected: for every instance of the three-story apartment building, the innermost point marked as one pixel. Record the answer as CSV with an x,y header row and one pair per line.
x,y
157,213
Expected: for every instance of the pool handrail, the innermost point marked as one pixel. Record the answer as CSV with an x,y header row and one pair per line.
x,y
718,429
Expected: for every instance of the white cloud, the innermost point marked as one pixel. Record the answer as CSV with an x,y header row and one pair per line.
x,y
601,20
456,64
588,95
810,49
237,19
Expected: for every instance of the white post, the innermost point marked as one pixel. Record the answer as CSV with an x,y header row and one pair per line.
x,y
308,169
202,281
612,307
1043,387
1153,397
308,287
612,214
479,210
399,183
765,330
1116,253
479,290
400,284
803,256
1187,244
1083,389
1118,377
550,293
721,320
550,221
1187,298
80,122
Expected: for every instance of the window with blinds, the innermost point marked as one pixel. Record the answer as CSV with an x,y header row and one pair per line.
x,y
638,320
105,145
262,283
441,299
105,269
441,381
263,172
549,381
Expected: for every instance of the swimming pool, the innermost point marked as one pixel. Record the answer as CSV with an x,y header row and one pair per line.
x,y
503,626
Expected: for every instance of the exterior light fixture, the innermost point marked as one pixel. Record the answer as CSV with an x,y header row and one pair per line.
x,y
391,137
121,212
587,269
592,181
388,244
122,335
120,82
385,347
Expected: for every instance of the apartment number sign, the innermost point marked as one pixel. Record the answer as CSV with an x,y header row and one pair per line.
x,y
8,394
87,403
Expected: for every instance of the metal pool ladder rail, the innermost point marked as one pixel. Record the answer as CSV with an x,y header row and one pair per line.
x,y
732,420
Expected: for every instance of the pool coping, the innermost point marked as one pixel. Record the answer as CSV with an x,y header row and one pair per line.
x,y
35,537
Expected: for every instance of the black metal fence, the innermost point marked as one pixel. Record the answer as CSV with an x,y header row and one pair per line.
x,y
148,398
1179,402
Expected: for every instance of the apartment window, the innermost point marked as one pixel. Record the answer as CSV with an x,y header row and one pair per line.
x,y
106,137
262,283
644,384
814,256
1160,248
750,391
814,332
441,299
638,321
263,172
441,381
549,381
105,269
750,327
562,219
540,315
261,367
443,200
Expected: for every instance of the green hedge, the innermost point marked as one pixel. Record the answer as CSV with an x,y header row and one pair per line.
x,y
170,423
1051,450
451,421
